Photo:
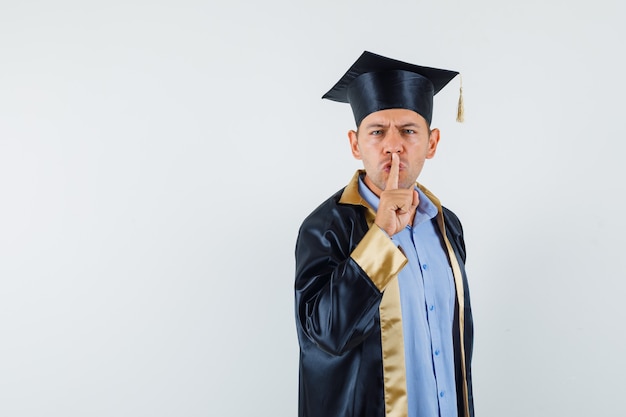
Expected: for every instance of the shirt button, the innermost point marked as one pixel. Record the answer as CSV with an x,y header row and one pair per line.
x,y
437,352
441,394
431,308
425,267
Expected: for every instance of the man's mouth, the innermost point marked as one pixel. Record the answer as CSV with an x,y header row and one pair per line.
x,y
387,167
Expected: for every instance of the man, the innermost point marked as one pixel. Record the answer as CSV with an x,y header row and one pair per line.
x,y
382,305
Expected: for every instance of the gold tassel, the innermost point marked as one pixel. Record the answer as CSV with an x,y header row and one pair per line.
x,y
460,113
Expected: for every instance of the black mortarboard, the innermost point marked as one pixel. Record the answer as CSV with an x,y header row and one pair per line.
x,y
375,83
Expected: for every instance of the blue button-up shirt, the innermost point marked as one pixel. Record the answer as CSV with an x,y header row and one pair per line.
x,y
427,297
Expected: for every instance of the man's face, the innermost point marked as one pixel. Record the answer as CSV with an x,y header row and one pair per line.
x,y
390,131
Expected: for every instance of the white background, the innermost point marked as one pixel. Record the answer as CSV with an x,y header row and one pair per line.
x,y
158,157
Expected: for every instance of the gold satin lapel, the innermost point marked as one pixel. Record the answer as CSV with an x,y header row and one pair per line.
x,y
391,335
392,340
458,283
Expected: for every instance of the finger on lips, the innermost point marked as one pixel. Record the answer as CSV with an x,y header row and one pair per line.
x,y
394,173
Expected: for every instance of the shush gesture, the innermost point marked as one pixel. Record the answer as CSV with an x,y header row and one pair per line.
x,y
397,205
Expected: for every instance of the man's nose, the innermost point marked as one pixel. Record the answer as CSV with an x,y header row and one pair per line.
x,y
393,142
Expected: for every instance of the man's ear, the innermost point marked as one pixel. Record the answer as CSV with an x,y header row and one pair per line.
x,y
354,144
433,141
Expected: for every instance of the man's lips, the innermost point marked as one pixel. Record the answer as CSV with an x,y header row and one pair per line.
x,y
386,167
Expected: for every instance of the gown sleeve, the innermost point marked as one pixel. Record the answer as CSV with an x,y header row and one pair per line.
x,y
342,268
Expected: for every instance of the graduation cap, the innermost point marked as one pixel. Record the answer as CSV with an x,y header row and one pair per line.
x,y
375,82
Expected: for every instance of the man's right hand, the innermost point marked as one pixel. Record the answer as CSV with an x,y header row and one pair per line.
x,y
397,206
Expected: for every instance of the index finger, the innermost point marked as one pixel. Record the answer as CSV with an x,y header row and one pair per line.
x,y
394,173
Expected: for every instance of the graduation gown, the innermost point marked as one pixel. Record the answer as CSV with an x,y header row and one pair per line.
x,y
348,314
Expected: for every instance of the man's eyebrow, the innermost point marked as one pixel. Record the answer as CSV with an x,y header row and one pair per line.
x,y
374,124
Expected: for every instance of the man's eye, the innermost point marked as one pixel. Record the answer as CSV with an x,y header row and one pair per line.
x,y
409,131
376,132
